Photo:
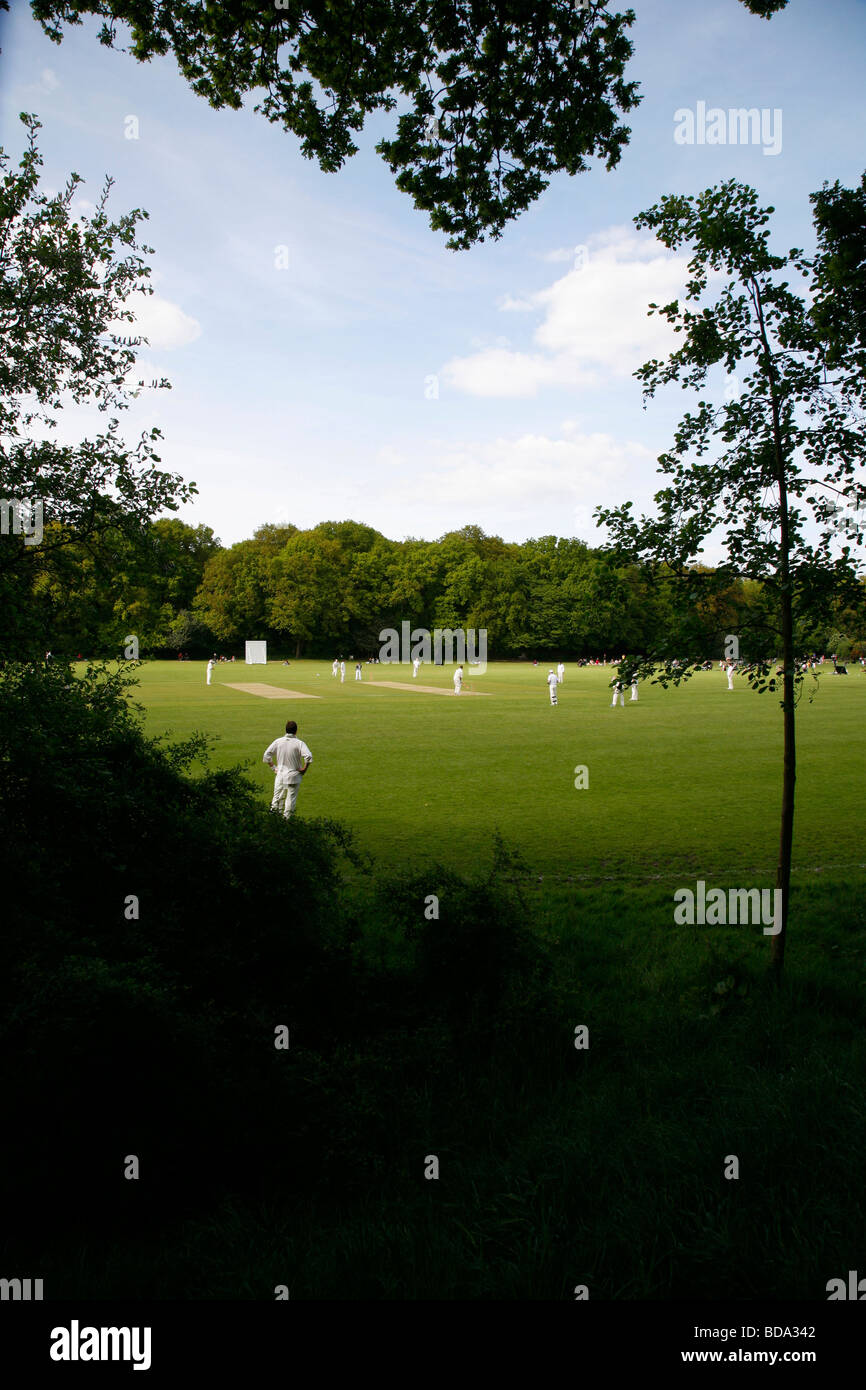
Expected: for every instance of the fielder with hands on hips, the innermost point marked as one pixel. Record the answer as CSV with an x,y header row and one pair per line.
x,y
289,757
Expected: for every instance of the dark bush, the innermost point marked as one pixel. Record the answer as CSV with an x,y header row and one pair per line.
x,y
153,1034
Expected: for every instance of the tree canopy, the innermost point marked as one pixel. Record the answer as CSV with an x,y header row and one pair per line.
x,y
334,587
840,272
489,100
65,287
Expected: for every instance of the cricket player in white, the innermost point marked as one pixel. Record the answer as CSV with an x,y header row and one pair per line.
x,y
209,671
634,687
416,666
342,671
358,675
289,757
335,668
730,671
560,672
458,680
618,693
553,682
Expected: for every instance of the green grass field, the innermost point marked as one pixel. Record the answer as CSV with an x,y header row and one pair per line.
x,y
684,782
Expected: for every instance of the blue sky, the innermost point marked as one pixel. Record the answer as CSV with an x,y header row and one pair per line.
x,y
330,358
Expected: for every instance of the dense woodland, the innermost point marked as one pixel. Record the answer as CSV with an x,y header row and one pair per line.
x,y
337,585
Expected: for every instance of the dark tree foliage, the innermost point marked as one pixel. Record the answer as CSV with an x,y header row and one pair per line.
x,y
490,99
160,924
840,271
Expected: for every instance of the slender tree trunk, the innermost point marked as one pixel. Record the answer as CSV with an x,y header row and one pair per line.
x,y
789,774
789,765
298,650
786,595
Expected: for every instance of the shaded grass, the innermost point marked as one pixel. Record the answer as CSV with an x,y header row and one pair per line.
x,y
559,1167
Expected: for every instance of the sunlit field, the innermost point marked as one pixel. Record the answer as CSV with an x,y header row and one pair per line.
x,y
683,781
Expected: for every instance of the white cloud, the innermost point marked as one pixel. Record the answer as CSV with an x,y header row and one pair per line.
x,y
517,304
562,478
594,320
164,324
82,207
143,370
482,342
49,79
501,372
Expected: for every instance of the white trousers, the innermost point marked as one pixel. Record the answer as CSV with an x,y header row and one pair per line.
x,y
457,690
553,694
634,694
618,695
286,785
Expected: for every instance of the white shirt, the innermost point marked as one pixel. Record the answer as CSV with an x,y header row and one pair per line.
x,y
560,669
458,677
290,753
551,679
210,666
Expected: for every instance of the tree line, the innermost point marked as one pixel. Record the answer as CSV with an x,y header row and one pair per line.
x,y
335,586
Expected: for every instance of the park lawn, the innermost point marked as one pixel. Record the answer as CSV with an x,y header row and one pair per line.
x,y
684,783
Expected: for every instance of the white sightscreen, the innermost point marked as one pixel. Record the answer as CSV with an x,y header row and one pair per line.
x,y
257,654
